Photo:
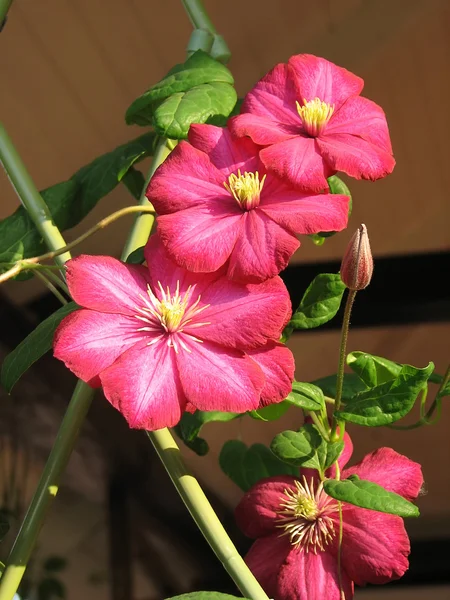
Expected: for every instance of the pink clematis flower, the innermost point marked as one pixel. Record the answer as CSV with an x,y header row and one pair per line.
x,y
313,121
296,525
217,205
159,339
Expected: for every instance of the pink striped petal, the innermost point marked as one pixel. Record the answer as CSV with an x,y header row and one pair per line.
x,y
261,129
88,341
215,378
274,97
201,239
265,559
277,364
390,469
162,269
375,545
106,284
262,250
186,178
362,117
144,385
309,576
305,214
355,156
300,162
244,316
319,78
225,151
257,512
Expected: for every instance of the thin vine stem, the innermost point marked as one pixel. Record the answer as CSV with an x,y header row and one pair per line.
x,y
204,516
48,284
27,263
342,354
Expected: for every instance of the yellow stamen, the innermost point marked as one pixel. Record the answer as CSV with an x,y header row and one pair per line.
x,y
245,189
172,307
314,114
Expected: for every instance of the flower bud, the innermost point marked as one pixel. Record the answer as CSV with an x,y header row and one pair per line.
x,y
357,264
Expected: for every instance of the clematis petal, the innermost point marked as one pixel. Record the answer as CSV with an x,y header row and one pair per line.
x,y
106,284
319,78
144,385
225,151
309,576
306,214
274,97
215,378
257,512
261,129
277,364
262,250
88,341
362,117
390,469
243,316
375,545
186,178
202,238
162,269
355,156
300,162
265,559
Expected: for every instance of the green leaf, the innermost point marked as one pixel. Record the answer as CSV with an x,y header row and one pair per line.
x,y
134,181
193,92
190,426
388,402
306,396
206,596
369,495
246,466
304,448
137,256
51,589
32,347
373,370
55,563
270,413
334,450
352,386
70,201
320,302
176,114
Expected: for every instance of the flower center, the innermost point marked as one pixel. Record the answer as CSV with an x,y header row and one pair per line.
x,y
170,315
314,114
304,516
245,189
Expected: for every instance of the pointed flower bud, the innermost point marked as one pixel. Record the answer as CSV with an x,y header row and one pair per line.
x,y
357,264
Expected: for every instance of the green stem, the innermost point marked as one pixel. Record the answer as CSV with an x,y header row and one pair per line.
x,y
324,433
46,490
29,195
46,281
342,354
4,7
198,15
204,516
143,224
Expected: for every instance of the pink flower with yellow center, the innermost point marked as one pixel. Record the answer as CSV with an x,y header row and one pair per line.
x,y
161,340
312,120
295,555
218,205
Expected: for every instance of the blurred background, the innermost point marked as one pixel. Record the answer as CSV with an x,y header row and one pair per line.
x,y
68,72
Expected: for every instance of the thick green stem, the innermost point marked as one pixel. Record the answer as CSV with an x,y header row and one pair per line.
x,y
29,195
342,354
4,7
204,516
198,15
46,490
